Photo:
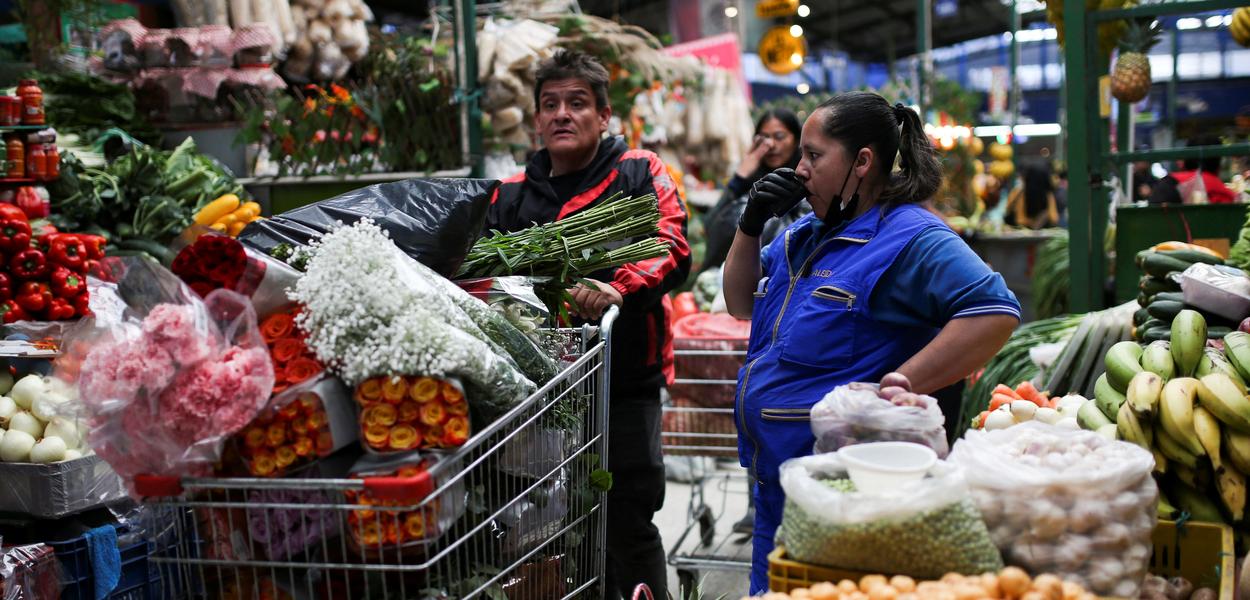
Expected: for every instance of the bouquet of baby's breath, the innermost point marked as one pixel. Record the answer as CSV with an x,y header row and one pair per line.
x,y
369,311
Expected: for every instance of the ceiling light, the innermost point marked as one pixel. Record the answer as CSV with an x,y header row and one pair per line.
x,y
803,88
796,31
1215,21
804,10
731,11
796,59
1188,23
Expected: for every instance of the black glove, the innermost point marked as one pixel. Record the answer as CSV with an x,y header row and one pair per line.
x,y
772,196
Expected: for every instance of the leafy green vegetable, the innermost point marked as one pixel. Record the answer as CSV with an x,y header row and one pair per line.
x,y
87,105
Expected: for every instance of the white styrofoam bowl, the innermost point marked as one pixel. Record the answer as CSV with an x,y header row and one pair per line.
x,y
882,466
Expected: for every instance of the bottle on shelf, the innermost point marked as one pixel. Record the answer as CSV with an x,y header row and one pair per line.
x,y
52,156
15,152
32,102
36,159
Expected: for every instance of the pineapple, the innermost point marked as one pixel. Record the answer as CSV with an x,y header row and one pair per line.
x,y
1130,79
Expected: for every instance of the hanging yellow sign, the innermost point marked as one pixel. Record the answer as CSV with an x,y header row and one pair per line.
x,y
781,52
771,9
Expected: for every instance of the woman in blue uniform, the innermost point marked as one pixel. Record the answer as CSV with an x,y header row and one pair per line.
x,y
870,282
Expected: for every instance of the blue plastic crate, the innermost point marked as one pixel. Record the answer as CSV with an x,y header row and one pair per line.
x,y
139,580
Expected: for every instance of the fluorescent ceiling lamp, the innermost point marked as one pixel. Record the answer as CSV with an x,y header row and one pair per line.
x,y
1025,130
991,130
731,11
1215,21
1188,23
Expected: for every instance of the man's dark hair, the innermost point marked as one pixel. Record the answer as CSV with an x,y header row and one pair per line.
x,y
1210,164
571,64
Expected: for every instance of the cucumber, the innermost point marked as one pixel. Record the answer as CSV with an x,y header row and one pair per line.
x,y
1192,256
1170,296
1156,334
1143,300
158,251
1159,265
1141,316
1154,285
1165,310
1152,323
1217,332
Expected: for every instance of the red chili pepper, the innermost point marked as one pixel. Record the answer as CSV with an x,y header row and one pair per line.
x,y
10,312
14,235
10,211
60,309
95,245
6,288
67,283
67,250
29,264
34,296
82,304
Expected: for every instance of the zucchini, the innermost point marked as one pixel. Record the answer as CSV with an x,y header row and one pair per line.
x,y
1152,323
1165,310
1159,265
1170,296
1156,334
1143,300
1192,256
1141,316
157,251
1218,332
1154,285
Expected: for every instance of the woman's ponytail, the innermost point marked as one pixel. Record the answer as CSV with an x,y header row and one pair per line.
x,y
920,172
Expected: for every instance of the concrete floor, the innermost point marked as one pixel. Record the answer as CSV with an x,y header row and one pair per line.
x,y
724,491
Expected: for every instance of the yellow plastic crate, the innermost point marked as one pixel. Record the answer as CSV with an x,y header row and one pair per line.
x,y
1199,552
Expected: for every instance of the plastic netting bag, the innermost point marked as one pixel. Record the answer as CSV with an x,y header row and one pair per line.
x,y
1066,502
925,528
434,221
854,414
167,377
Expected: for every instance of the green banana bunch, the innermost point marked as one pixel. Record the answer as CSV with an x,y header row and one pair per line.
x,y
1189,337
1123,362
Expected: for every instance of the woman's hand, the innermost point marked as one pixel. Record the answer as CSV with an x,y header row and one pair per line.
x,y
963,346
755,157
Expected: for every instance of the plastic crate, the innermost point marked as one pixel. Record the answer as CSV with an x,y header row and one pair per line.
x,y
1199,552
139,581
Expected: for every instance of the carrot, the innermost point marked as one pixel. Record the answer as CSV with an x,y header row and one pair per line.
x,y
981,419
999,400
1002,389
1026,391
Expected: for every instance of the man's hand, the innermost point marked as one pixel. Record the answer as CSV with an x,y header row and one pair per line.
x,y
589,303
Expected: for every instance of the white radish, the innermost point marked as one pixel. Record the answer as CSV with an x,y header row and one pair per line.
x,y
1023,410
48,450
27,423
26,390
999,419
16,445
1047,415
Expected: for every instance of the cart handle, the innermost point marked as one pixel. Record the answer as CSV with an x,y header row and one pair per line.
x,y
642,591
413,489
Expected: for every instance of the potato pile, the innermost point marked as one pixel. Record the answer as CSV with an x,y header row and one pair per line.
x,y
1176,588
1011,583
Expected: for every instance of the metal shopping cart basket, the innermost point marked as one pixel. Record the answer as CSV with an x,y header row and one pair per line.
x,y
698,421
515,513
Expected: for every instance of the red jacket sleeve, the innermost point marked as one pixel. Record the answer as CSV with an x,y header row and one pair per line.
x,y
645,283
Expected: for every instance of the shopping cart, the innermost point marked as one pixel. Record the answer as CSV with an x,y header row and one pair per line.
x,y
698,421
516,513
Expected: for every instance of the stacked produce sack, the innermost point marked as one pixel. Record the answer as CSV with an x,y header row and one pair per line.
x,y
1161,296
1186,403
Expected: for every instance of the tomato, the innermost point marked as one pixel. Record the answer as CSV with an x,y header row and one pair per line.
x,y
684,304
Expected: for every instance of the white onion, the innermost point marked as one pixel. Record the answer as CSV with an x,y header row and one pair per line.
x,y
7,407
27,389
72,454
64,429
47,406
16,446
26,422
6,381
49,450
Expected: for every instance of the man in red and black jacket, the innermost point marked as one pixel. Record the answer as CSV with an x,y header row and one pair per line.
x,y
578,169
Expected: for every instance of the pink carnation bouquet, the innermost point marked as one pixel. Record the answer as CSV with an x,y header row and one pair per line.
x,y
163,390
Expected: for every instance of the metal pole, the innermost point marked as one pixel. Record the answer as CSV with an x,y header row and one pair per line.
x,y
1077,94
1174,81
923,43
1013,75
1124,141
471,114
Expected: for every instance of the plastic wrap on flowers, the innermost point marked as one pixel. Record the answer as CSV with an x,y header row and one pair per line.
x,y
278,532
399,414
298,427
408,525
855,414
537,451
293,362
368,313
531,519
213,261
167,380
434,221
29,573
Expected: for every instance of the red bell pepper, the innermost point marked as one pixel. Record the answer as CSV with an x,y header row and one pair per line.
x,y
14,235
11,211
67,250
32,203
10,312
6,288
95,245
67,284
82,304
60,310
28,264
34,296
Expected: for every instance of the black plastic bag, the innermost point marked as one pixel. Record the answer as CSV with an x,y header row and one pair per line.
x,y
434,221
